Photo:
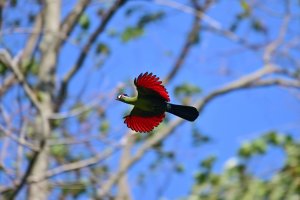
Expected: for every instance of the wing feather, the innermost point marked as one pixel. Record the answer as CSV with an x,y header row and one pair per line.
x,y
145,82
141,121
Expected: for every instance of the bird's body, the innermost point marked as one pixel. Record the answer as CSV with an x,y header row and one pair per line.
x,y
151,104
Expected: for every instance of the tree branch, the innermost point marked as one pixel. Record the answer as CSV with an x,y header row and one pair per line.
x,y
70,21
190,40
2,4
8,82
212,23
123,184
76,165
271,47
26,53
22,141
79,63
12,64
32,41
243,82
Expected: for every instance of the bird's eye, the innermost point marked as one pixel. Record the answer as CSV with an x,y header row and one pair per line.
x,y
125,95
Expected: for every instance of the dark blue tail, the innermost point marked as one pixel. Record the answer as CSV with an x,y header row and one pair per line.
x,y
185,112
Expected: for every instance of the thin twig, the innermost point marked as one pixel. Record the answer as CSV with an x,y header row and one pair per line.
x,y
70,21
190,40
12,64
20,141
243,82
273,46
86,49
76,165
212,23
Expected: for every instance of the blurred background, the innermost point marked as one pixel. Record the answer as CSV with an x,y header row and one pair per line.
x,y
63,62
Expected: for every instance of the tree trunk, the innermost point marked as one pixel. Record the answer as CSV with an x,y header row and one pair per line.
x,y
46,86
124,192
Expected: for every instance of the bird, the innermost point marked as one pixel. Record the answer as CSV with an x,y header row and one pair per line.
x,y
151,103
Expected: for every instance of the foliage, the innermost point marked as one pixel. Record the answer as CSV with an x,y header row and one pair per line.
x,y
132,32
237,182
63,63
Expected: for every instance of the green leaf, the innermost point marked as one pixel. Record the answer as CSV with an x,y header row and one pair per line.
x,y
104,127
158,145
179,168
273,138
131,33
169,154
57,122
198,138
13,3
102,49
7,194
132,10
112,32
74,189
3,69
214,179
259,146
100,170
186,89
245,6
84,21
30,66
16,23
84,115
149,18
246,150
59,151
208,162
201,177
258,26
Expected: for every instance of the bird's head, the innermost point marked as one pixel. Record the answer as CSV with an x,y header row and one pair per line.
x,y
122,97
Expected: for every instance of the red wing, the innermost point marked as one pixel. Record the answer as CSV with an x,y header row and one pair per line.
x,y
152,83
141,121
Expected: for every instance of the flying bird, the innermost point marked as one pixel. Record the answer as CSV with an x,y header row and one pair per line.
x,y
151,103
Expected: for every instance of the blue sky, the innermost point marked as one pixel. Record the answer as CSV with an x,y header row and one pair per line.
x,y
229,120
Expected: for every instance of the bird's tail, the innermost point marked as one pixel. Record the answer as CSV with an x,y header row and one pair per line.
x,y
186,112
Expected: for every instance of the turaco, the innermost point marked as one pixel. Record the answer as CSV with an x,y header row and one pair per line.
x,y
151,103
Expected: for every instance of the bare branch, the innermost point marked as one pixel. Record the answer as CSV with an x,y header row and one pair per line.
x,y
31,43
212,23
75,111
26,54
2,4
70,21
22,182
12,64
244,82
123,184
8,82
20,141
79,63
20,150
271,48
46,85
76,165
190,40
278,81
